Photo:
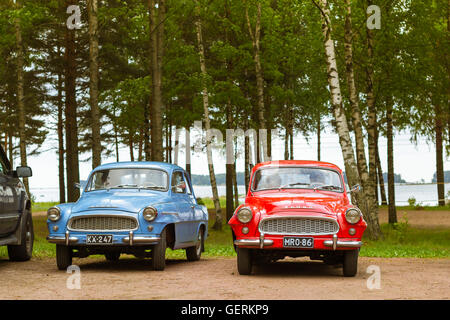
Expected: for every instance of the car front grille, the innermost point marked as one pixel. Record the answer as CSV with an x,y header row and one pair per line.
x,y
103,223
299,226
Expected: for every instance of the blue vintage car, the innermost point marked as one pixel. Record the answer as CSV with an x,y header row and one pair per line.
x,y
138,208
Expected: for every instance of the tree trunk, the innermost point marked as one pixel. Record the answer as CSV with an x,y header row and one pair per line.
x,y
246,155
130,145
255,36
157,16
380,172
187,143
370,190
318,137
235,184
218,219
390,157
72,161
341,122
229,163
140,144
177,146
60,129
439,155
372,119
93,83
20,98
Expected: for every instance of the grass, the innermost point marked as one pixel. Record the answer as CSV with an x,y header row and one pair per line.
x,y
419,207
42,206
400,240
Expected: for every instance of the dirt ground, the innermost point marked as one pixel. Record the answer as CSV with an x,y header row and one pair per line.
x,y
217,279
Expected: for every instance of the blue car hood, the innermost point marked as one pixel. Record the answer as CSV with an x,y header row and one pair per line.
x,y
123,200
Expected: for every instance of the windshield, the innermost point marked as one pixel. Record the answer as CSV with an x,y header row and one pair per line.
x,y
129,178
296,178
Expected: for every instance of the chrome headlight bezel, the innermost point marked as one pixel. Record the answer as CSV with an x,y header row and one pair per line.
x,y
353,215
149,213
54,214
244,215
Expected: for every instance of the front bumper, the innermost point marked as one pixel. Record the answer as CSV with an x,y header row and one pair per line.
x,y
321,243
119,239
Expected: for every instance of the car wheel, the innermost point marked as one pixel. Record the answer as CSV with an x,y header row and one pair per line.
x,y
24,251
350,263
112,256
244,261
63,256
159,253
194,253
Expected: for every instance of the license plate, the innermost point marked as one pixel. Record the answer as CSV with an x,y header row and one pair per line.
x,y
99,238
298,242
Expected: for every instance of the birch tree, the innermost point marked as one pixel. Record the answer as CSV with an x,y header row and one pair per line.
x,y
345,142
201,52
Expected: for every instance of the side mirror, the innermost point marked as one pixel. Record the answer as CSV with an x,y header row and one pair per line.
x,y
355,189
24,172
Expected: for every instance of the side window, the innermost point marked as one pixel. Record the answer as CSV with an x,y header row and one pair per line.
x,y
188,187
178,184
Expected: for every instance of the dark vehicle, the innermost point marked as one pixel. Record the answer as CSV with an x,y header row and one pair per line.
x,y
16,225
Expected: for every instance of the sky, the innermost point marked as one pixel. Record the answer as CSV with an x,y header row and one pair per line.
x,y
412,162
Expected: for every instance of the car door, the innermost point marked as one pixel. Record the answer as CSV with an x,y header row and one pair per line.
x,y
9,213
183,228
197,212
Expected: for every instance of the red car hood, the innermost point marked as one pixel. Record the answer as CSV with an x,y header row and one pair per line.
x,y
286,202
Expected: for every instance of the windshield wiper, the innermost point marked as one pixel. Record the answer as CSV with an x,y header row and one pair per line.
x,y
332,187
294,184
126,186
152,187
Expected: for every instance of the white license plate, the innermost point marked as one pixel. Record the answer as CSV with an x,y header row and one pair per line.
x,y
99,239
298,242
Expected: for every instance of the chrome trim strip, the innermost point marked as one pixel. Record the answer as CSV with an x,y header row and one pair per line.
x,y
69,223
141,240
62,240
9,217
300,217
343,244
253,242
335,239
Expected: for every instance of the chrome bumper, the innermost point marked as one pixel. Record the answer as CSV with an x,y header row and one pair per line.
x,y
130,240
335,243
67,239
256,243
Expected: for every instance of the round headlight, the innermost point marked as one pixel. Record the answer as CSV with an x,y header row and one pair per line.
x,y
53,214
150,213
244,215
353,216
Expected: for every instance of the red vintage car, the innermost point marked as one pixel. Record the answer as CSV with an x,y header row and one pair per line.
x,y
297,208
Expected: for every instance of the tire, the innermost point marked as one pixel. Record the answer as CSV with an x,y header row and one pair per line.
x,y
350,263
194,253
244,261
112,256
63,256
159,253
24,251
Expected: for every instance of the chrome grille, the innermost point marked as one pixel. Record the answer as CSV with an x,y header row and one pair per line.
x,y
103,223
299,226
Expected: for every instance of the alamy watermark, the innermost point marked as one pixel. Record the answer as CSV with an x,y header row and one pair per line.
x,y
374,281
374,20
74,280
74,20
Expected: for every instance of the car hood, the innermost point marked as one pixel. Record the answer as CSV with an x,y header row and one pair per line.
x,y
293,202
121,200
